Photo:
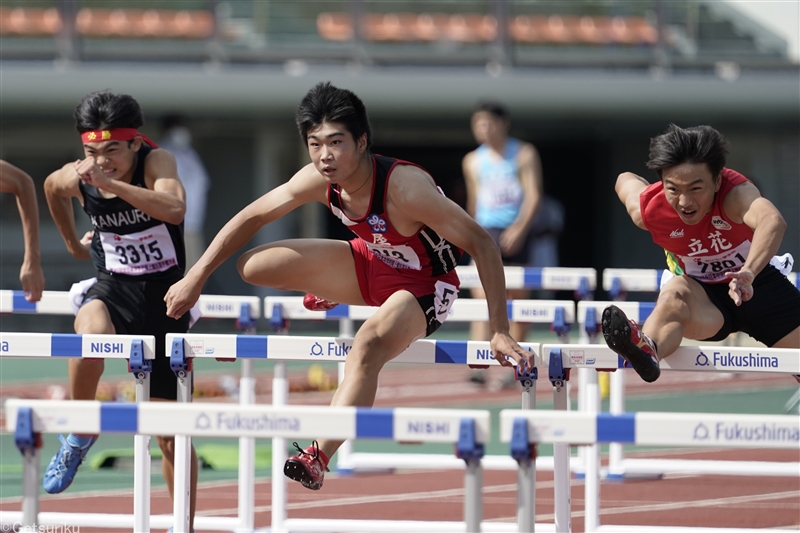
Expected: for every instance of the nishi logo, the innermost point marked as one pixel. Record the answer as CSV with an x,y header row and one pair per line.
x,y
676,234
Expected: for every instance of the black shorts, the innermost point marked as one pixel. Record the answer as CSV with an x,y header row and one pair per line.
x,y
138,308
521,258
772,313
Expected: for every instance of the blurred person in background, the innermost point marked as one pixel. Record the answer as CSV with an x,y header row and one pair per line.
x,y
503,178
720,236
17,182
409,238
177,139
133,196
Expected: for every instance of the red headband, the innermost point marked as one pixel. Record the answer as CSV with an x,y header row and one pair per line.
x,y
116,134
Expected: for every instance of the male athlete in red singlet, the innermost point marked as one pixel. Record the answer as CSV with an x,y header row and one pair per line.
x,y
409,239
719,235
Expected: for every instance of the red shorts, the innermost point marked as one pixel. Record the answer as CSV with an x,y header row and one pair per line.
x,y
377,281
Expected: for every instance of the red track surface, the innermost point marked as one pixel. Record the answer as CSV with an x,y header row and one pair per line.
x,y
711,501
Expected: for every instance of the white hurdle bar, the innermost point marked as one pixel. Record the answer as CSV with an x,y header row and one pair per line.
x,y
281,348
581,280
689,359
246,310
521,428
140,351
617,281
560,314
469,430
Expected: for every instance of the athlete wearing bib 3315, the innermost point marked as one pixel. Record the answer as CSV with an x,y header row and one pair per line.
x,y
133,196
137,259
386,261
720,236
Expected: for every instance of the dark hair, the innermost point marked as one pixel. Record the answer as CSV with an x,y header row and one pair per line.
x,y
701,144
326,103
495,109
103,110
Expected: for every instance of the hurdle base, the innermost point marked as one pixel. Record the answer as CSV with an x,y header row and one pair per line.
x,y
361,462
120,521
676,529
309,525
632,468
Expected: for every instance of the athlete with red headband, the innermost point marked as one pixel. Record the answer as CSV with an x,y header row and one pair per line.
x,y
720,237
409,238
134,198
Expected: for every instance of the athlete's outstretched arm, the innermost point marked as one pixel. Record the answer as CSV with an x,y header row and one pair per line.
x,y
59,189
745,203
628,187
414,195
20,184
305,186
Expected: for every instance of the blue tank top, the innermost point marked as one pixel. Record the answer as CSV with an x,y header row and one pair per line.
x,y
499,189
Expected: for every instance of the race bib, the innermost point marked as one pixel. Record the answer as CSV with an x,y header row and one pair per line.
x,y
501,193
444,296
139,253
712,269
399,256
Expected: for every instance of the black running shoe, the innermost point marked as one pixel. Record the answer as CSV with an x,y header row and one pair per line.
x,y
623,336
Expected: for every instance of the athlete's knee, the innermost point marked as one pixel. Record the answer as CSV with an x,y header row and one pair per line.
x,y
368,352
244,267
675,301
167,445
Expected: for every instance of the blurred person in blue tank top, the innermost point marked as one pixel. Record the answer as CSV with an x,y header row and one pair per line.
x,y
504,192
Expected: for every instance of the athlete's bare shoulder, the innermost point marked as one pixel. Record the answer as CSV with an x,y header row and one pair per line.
x,y
308,184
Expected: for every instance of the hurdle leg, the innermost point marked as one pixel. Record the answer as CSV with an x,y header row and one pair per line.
x,y
30,487
616,406
473,487
561,471
141,464
592,460
183,453
343,454
280,393
247,452
526,476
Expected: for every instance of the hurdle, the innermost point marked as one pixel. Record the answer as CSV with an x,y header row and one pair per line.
x,y
246,311
282,348
140,351
560,314
688,359
469,430
521,429
618,282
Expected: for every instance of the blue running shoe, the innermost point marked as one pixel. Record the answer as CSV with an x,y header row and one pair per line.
x,y
63,466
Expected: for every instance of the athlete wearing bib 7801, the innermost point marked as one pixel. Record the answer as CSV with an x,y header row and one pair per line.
x,y
409,239
719,235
